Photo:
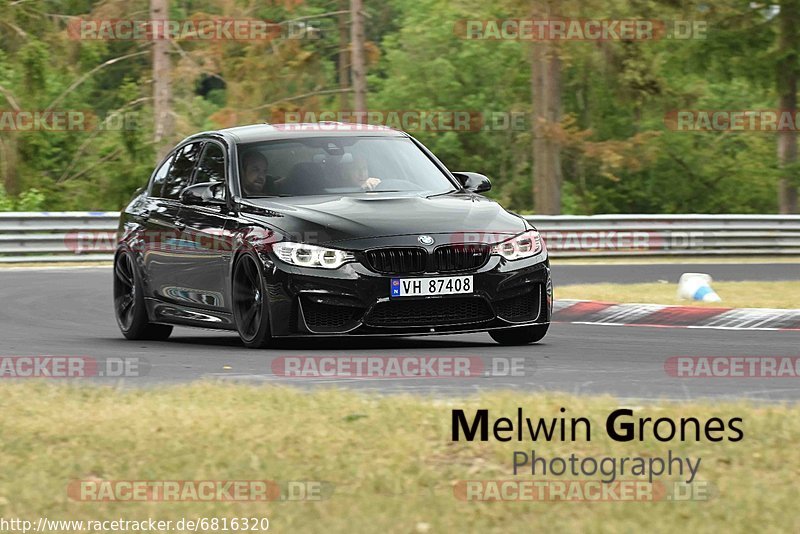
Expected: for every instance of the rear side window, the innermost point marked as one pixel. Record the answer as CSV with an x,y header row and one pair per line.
x,y
181,171
160,177
212,165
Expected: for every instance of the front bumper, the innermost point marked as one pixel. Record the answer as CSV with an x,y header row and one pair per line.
x,y
354,300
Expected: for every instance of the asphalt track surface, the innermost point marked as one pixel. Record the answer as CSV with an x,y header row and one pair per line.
x,y
654,272
69,313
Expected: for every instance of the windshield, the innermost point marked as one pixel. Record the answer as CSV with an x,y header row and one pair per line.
x,y
337,165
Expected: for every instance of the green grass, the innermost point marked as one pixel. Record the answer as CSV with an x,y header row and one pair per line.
x,y
733,294
390,459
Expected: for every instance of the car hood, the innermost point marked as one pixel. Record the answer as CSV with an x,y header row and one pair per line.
x,y
346,220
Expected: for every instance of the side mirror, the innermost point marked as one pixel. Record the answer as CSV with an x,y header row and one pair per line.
x,y
209,193
474,182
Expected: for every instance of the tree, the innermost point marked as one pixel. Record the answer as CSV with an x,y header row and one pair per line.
x,y
358,62
787,66
343,58
546,92
163,125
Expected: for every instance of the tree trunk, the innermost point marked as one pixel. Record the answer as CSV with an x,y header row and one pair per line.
x,y
358,67
546,89
8,149
787,74
344,57
8,163
163,127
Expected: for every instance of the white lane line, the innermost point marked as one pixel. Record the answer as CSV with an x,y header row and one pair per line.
x,y
701,327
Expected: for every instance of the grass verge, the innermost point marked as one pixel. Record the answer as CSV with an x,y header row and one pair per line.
x,y
390,459
733,294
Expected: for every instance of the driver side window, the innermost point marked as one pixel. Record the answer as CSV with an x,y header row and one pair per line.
x,y
159,177
181,172
212,168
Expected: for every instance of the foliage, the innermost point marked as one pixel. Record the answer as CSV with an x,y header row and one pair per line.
x,y
619,156
6,202
30,200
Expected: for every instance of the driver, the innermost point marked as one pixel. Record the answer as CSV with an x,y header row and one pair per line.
x,y
357,174
255,178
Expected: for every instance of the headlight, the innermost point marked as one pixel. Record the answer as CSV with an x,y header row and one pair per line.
x,y
310,255
524,245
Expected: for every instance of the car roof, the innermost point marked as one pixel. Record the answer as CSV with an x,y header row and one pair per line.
x,y
269,132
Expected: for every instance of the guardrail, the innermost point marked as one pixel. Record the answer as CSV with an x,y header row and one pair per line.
x,y
664,235
91,236
67,236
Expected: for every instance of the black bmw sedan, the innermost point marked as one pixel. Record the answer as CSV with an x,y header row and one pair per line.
x,y
323,230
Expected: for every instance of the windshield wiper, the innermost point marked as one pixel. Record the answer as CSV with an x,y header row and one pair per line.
x,y
445,193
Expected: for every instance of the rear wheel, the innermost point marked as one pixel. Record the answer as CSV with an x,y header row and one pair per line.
x,y
521,335
250,303
129,306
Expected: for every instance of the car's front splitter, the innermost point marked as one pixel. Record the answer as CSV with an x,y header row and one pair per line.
x,y
353,300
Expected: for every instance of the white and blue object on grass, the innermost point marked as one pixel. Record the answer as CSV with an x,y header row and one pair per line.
x,y
697,286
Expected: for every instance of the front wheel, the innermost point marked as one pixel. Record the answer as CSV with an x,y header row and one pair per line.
x,y
129,307
250,303
521,335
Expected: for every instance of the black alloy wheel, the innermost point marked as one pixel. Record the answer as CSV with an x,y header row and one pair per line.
x,y
249,303
129,306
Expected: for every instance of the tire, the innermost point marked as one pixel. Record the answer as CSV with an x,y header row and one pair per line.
x,y
129,306
522,335
250,311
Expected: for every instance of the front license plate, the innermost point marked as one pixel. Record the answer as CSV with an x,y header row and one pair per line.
x,y
421,287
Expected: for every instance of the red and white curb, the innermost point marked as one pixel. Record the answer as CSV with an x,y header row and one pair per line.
x,y
607,313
